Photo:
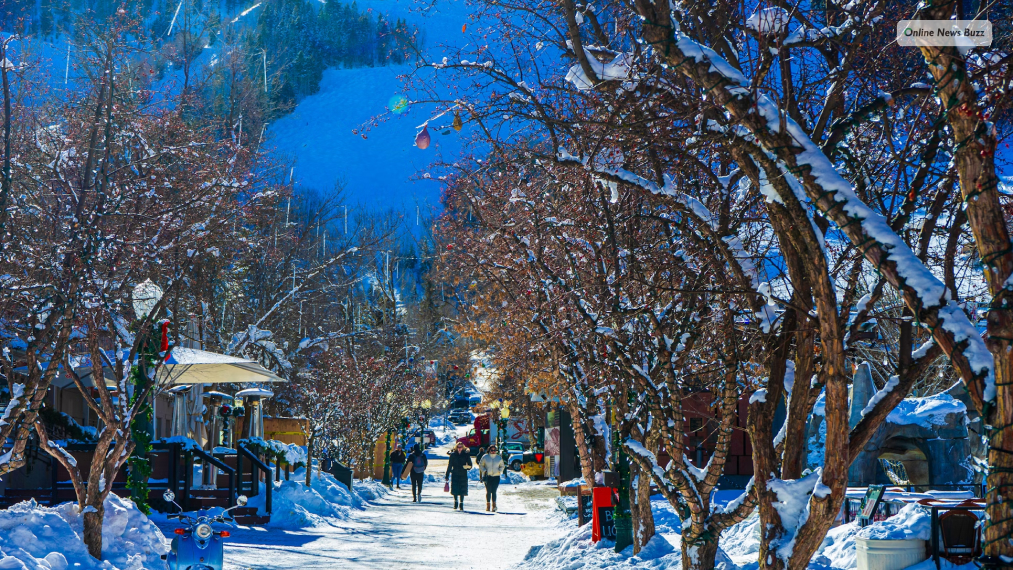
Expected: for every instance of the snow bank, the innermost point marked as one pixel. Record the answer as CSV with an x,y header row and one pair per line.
x,y
294,505
292,453
739,544
33,537
575,550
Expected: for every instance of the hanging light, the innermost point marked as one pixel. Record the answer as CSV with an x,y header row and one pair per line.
x,y
423,139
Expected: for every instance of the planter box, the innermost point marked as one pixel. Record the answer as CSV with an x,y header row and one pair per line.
x,y
888,554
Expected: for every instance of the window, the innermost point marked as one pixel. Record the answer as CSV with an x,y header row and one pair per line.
x,y
695,424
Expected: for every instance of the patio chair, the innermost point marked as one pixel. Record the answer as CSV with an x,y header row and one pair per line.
x,y
959,533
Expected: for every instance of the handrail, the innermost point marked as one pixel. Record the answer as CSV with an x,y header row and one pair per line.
x,y
208,458
242,450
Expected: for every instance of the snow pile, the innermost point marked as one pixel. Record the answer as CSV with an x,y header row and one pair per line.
x,y
293,454
912,522
926,412
294,505
838,548
33,537
575,550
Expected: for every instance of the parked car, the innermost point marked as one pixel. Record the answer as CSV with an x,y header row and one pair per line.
x,y
459,417
517,459
514,451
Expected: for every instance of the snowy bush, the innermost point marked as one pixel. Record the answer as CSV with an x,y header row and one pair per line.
x,y
34,537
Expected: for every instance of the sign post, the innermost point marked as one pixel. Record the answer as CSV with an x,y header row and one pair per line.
x,y
873,496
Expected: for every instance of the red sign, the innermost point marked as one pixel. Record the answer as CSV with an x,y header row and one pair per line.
x,y
600,497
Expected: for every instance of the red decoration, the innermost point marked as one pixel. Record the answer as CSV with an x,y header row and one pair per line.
x,y
423,139
165,337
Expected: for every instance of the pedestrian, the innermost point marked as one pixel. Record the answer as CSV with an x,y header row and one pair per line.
x,y
481,452
397,461
418,463
457,474
490,468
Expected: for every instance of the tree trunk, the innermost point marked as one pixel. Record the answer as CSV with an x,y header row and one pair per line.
x,y
93,528
309,460
701,552
640,507
578,419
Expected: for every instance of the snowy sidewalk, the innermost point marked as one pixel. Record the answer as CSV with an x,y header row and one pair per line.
x,y
394,533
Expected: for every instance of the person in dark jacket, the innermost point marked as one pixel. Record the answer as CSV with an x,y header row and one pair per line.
x,y
417,463
457,474
481,452
397,460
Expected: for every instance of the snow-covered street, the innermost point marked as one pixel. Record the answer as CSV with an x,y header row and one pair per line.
x,y
393,532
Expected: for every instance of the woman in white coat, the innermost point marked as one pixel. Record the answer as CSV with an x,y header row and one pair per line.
x,y
490,468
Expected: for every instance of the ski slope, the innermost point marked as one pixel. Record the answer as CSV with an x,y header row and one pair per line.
x,y
383,169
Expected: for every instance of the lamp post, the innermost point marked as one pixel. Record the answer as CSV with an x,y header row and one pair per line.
x,y
622,516
386,453
501,425
422,416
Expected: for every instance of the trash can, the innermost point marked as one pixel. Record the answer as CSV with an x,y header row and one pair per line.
x,y
873,554
342,474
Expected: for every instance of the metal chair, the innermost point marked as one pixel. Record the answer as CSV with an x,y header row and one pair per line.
x,y
959,533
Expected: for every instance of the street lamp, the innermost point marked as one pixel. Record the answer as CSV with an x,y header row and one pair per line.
x,y
145,297
386,453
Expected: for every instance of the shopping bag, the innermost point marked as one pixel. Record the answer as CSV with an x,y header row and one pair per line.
x,y
446,487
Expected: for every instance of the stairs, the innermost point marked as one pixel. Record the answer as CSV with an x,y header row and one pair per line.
x,y
248,516
207,498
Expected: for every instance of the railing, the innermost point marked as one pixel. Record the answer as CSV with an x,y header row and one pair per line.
x,y
179,456
208,458
977,488
890,507
256,464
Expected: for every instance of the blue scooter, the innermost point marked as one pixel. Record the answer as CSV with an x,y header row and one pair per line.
x,y
198,546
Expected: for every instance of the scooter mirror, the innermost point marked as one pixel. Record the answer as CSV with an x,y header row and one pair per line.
x,y
241,500
169,496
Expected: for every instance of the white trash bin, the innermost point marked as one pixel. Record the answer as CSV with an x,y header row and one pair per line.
x,y
875,554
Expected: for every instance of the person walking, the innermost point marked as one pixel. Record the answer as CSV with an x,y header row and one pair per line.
x,y
481,452
457,474
397,461
489,469
417,463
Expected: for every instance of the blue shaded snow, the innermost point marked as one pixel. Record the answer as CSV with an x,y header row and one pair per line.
x,y
384,170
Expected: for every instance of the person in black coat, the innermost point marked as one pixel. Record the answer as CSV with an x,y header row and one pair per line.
x,y
457,474
397,460
417,463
